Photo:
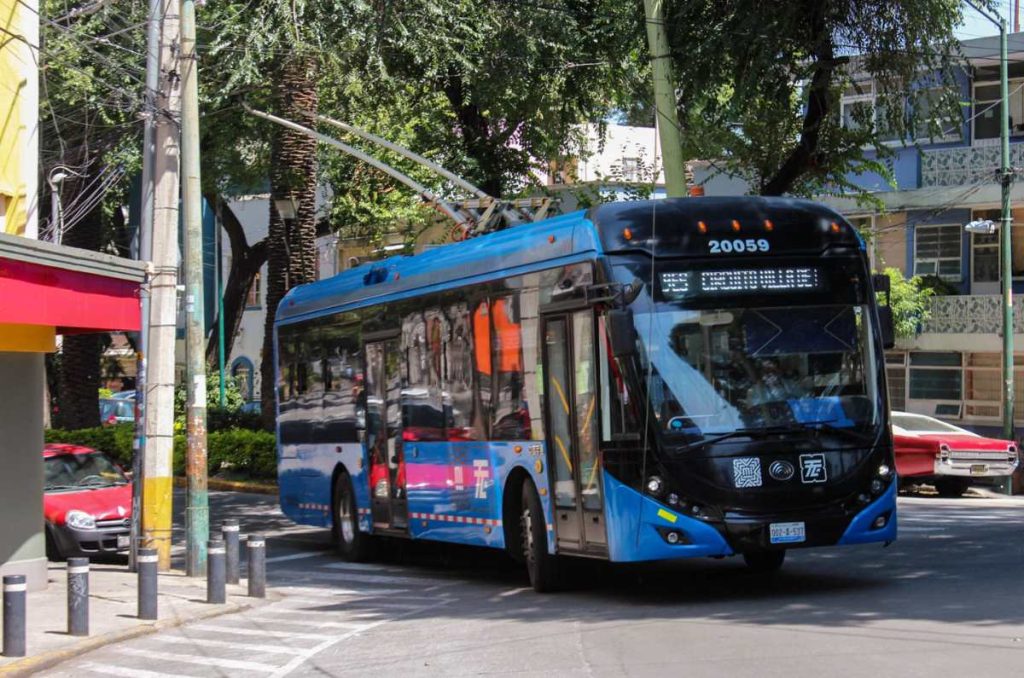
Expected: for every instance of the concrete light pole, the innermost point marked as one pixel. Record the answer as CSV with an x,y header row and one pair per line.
x,y
665,100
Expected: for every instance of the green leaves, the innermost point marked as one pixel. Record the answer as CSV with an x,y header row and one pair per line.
x,y
909,300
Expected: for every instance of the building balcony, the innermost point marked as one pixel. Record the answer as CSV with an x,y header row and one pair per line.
x,y
964,165
971,314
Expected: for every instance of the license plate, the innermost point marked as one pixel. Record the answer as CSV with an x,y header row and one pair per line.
x,y
123,541
979,469
787,533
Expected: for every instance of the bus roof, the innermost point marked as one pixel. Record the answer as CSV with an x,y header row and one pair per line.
x,y
670,227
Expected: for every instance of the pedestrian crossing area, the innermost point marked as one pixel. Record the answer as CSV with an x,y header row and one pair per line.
x,y
321,606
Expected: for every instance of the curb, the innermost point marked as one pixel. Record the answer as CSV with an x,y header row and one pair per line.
x,y
47,660
232,485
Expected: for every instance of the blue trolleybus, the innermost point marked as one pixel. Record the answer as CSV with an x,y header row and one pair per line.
x,y
640,381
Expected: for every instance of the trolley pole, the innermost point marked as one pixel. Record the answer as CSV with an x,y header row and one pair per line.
x,y
197,514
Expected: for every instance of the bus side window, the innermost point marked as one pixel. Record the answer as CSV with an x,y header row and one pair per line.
x,y
511,411
619,420
343,378
465,411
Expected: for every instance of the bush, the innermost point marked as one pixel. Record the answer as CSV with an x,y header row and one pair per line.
x,y
251,453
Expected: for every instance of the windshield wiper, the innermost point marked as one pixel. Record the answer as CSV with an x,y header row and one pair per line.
x,y
795,427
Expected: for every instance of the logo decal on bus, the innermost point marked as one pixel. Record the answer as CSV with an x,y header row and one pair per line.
x,y
812,468
746,472
780,469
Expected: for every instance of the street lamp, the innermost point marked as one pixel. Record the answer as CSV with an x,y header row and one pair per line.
x,y
1005,177
982,227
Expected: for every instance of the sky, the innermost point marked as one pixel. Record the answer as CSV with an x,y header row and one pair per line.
x,y
976,26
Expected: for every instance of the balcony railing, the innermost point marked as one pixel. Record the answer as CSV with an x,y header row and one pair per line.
x,y
964,165
972,314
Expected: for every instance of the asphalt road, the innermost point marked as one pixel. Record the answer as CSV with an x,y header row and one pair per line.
x,y
946,599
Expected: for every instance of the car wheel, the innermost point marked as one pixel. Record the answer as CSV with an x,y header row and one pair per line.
x,y
540,565
351,544
764,562
951,487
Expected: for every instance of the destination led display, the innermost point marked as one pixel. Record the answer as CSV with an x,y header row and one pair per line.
x,y
680,284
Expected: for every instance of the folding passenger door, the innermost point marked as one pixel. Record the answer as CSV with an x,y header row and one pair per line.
x,y
572,431
384,435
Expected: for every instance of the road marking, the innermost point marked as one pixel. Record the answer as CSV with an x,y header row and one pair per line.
x,y
296,556
384,579
204,660
112,670
355,626
335,592
185,640
328,601
258,632
514,592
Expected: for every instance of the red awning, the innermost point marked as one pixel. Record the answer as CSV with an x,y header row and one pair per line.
x,y
71,301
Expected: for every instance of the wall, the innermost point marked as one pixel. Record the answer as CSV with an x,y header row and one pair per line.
x,y
22,542
19,104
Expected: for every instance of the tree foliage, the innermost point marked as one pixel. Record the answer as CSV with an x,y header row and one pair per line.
x,y
760,84
909,299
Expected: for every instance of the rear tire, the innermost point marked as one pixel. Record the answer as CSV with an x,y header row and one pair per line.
x,y
951,487
764,562
540,565
350,543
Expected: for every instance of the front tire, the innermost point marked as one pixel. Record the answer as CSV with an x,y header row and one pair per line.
x,y
764,562
540,565
951,488
350,543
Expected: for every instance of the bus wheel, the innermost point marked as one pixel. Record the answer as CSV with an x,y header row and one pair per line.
x,y
541,565
350,542
764,562
951,487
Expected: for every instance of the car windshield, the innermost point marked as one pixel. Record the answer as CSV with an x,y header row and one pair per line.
x,y
916,423
66,471
117,407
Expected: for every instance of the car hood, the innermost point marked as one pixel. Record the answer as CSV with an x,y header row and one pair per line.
x,y
105,503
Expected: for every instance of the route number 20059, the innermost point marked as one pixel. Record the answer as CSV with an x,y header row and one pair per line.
x,y
739,245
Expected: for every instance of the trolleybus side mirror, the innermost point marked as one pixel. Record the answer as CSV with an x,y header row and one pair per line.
x,y
621,334
881,283
886,326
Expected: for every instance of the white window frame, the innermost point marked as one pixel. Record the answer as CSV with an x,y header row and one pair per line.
x,y
868,96
930,405
977,106
959,258
956,135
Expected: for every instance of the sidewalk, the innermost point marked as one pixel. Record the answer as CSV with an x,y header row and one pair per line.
x,y
112,612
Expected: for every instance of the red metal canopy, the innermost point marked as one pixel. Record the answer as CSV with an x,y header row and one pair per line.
x,y
72,301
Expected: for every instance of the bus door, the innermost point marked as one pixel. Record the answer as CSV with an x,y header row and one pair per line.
x,y
572,413
389,505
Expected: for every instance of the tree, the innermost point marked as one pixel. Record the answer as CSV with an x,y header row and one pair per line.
x,y
909,300
760,84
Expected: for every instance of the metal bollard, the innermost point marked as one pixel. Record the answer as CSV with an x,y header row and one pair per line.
x,y
14,615
147,565
257,547
230,532
78,596
215,590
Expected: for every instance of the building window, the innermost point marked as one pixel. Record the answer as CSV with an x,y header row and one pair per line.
x,y
937,251
562,171
253,298
935,376
861,107
896,377
631,169
987,114
933,120
982,385
992,258
242,372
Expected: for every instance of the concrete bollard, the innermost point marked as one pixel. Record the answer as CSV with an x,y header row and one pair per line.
x,y
215,589
14,615
78,596
229,530
257,548
147,565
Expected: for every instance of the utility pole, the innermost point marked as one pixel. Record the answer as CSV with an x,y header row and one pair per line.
x,y
665,100
197,512
1006,181
145,253
158,437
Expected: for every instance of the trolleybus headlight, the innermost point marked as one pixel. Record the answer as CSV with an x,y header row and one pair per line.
x,y
672,537
655,486
876,486
884,472
880,521
673,499
863,498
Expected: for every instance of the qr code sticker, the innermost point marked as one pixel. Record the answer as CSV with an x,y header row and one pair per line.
x,y
746,472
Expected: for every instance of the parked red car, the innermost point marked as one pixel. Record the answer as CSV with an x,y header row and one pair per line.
x,y
87,503
947,456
